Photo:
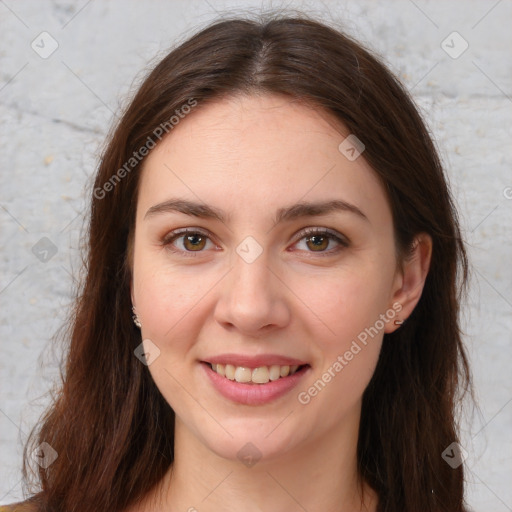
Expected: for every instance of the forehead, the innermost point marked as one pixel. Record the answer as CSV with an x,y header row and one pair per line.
x,y
256,154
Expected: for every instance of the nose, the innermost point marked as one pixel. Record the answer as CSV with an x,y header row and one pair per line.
x,y
253,298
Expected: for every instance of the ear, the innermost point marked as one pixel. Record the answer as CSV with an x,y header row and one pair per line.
x,y
129,250
410,278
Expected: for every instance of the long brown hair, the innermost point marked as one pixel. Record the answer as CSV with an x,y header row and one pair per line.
x,y
109,424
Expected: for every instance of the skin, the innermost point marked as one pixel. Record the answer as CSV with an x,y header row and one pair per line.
x,y
249,156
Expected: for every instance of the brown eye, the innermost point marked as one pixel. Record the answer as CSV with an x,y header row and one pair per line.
x,y
321,240
187,242
317,242
194,242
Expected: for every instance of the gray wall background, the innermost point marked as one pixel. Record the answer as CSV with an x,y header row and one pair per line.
x,y
56,108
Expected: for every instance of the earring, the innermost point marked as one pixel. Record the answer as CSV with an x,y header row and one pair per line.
x,y
398,322
136,320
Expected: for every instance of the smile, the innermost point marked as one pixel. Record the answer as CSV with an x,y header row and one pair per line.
x,y
260,375
253,384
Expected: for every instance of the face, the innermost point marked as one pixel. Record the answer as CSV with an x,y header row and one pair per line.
x,y
258,285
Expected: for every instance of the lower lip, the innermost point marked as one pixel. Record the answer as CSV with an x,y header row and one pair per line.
x,y
254,394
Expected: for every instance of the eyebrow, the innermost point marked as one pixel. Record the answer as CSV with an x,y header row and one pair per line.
x,y
289,213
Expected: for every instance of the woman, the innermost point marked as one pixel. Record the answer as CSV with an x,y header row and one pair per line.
x,y
269,315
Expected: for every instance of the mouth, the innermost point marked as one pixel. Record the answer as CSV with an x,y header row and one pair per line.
x,y
253,382
259,375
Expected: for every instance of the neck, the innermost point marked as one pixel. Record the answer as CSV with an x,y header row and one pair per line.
x,y
319,475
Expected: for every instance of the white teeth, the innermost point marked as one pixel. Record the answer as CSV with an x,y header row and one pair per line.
x,y
260,375
243,374
275,372
230,371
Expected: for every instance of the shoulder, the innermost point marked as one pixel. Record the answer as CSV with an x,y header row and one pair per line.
x,y
19,507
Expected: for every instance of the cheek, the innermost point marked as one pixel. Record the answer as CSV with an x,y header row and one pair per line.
x,y
168,302
347,311
343,304
165,295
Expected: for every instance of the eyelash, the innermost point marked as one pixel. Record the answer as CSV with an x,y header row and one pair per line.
x,y
307,232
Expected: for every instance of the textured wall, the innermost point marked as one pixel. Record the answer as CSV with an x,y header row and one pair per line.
x,y
56,108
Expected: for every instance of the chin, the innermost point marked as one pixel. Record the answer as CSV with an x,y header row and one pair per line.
x,y
250,441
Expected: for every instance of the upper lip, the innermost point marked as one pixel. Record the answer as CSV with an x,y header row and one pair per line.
x,y
248,361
